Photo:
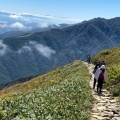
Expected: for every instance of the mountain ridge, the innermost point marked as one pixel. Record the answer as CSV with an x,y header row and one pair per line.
x,y
38,53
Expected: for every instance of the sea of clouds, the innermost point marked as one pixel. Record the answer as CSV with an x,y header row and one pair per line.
x,y
12,21
29,47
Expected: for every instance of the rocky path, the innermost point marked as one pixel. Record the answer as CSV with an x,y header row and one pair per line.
x,y
105,107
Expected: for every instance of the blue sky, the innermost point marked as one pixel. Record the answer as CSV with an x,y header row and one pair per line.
x,y
78,10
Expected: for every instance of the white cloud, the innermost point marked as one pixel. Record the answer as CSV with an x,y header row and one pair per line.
x,y
15,16
4,25
43,25
43,50
27,20
74,20
24,48
65,19
36,15
18,25
3,48
20,17
31,17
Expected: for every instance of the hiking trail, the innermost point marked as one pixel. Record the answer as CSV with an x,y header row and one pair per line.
x,y
105,107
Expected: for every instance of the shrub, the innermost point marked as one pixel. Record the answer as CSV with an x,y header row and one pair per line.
x,y
105,52
113,83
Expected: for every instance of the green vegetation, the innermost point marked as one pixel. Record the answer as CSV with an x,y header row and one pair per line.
x,y
62,94
112,59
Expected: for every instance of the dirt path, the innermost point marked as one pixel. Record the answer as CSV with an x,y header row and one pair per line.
x,y
105,107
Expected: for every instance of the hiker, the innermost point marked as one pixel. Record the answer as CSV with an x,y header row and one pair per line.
x,y
101,77
94,83
103,63
94,71
97,66
88,58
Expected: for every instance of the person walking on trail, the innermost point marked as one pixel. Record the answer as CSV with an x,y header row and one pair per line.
x,y
103,63
97,66
88,58
94,71
101,77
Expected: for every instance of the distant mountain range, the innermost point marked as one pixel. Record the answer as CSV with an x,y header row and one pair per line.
x,y
11,34
18,33
24,23
37,53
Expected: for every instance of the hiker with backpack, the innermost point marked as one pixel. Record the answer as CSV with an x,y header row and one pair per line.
x,y
101,77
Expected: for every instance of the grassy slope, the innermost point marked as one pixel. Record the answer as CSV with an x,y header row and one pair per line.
x,y
112,59
63,93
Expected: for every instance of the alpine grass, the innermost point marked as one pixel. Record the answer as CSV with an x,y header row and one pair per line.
x,y
64,95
